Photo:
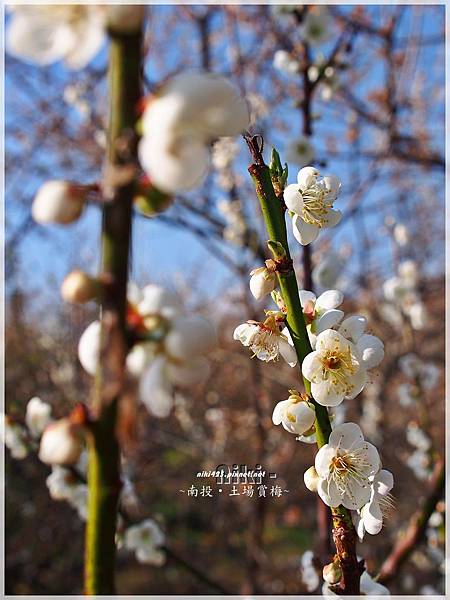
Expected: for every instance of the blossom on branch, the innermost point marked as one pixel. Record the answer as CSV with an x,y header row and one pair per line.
x,y
146,539
296,414
370,517
266,340
310,201
180,122
334,369
345,465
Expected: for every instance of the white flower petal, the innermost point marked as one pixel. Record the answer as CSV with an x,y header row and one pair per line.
x,y
306,296
89,347
288,352
327,394
372,517
347,435
330,318
329,299
371,350
304,233
384,482
329,493
279,411
353,327
190,337
293,198
332,218
306,177
323,459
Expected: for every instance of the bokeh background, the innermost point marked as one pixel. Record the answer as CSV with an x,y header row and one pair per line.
x,y
375,119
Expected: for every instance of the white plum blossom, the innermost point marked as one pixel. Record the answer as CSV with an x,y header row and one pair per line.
x,y
262,282
369,348
64,485
14,437
368,587
316,26
401,234
59,202
311,202
78,287
427,373
172,351
321,313
44,34
299,151
146,540
334,369
236,229
284,61
47,34
402,297
309,574
38,416
417,437
345,465
327,272
157,382
296,414
189,112
370,517
266,340
61,443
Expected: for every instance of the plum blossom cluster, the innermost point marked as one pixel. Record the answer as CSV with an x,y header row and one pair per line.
x,y
187,114
348,471
44,34
169,349
402,299
63,449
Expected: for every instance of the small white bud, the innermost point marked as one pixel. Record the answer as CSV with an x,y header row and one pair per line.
x,y
332,573
78,288
311,479
61,443
59,202
262,282
38,416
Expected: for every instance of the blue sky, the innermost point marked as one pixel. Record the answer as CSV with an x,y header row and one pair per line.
x,y
162,253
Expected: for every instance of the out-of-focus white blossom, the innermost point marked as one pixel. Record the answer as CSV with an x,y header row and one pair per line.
x,y
401,234
44,34
78,287
413,367
309,574
189,112
311,202
419,463
417,437
345,465
236,228
296,414
146,539
37,416
327,272
299,151
334,369
224,151
266,341
316,26
61,443
284,61
14,437
59,202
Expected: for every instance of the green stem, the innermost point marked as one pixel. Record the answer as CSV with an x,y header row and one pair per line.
x,y
344,534
104,453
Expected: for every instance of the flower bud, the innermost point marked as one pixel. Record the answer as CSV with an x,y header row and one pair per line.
x,y
150,201
311,479
332,573
78,288
125,18
262,282
38,416
61,442
59,202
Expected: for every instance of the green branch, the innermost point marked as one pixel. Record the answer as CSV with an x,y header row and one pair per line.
x,y
104,454
344,534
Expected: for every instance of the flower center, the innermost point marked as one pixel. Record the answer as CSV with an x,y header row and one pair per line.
x,y
338,366
315,205
349,467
